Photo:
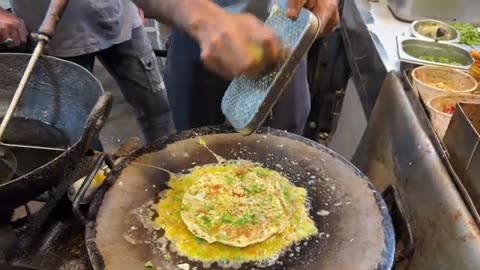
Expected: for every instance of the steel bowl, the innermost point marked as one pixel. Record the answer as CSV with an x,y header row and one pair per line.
x,y
440,119
412,50
417,29
427,81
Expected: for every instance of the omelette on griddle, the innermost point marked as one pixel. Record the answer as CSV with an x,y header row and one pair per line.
x,y
235,211
237,207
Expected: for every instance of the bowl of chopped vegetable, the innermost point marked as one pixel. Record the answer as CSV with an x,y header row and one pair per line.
x,y
434,81
469,34
434,31
441,109
415,52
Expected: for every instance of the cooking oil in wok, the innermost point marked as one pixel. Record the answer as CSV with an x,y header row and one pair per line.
x,y
33,132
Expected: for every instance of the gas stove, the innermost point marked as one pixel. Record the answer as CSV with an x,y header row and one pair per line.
x,y
47,237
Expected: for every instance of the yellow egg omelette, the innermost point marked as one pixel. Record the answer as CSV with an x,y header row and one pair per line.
x,y
233,212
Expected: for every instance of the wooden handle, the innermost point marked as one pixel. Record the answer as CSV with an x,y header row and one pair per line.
x,y
54,13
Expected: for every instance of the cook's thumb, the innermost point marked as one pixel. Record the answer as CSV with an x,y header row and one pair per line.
x,y
293,8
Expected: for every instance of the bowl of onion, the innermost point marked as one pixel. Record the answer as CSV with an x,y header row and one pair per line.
x,y
434,81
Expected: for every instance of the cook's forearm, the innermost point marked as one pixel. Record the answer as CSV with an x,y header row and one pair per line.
x,y
192,16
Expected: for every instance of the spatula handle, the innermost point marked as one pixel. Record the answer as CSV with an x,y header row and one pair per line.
x,y
54,13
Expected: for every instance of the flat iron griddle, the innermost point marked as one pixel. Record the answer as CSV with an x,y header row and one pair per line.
x,y
356,234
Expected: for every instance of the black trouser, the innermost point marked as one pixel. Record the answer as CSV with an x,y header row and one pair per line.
x,y
134,67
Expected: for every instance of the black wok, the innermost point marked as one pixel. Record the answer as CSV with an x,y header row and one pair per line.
x,y
356,234
63,106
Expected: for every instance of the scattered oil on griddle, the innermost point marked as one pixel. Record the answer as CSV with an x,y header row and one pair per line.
x,y
203,143
169,259
33,132
291,253
153,167
147,232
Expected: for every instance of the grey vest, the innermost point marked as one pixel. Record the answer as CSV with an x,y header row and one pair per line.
x,y
87,26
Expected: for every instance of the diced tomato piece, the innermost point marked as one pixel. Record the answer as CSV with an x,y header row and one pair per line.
x,y
241,171
217,187
237,194
449,109
475,54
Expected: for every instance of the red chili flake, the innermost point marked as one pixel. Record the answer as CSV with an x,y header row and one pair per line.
x,y
216,187
241,171
449,109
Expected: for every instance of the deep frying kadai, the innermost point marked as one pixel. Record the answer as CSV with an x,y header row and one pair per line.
x,y
355,228
63,105
8,162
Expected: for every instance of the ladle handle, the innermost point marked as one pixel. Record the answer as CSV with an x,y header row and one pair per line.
x,y
86,184
95,121
54,13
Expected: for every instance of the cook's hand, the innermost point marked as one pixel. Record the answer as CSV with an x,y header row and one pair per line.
x,y
12,28
327,10
236,44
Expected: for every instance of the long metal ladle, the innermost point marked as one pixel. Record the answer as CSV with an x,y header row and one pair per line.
x,y
45,32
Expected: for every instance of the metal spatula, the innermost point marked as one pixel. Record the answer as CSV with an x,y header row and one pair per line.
x,y
248,101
